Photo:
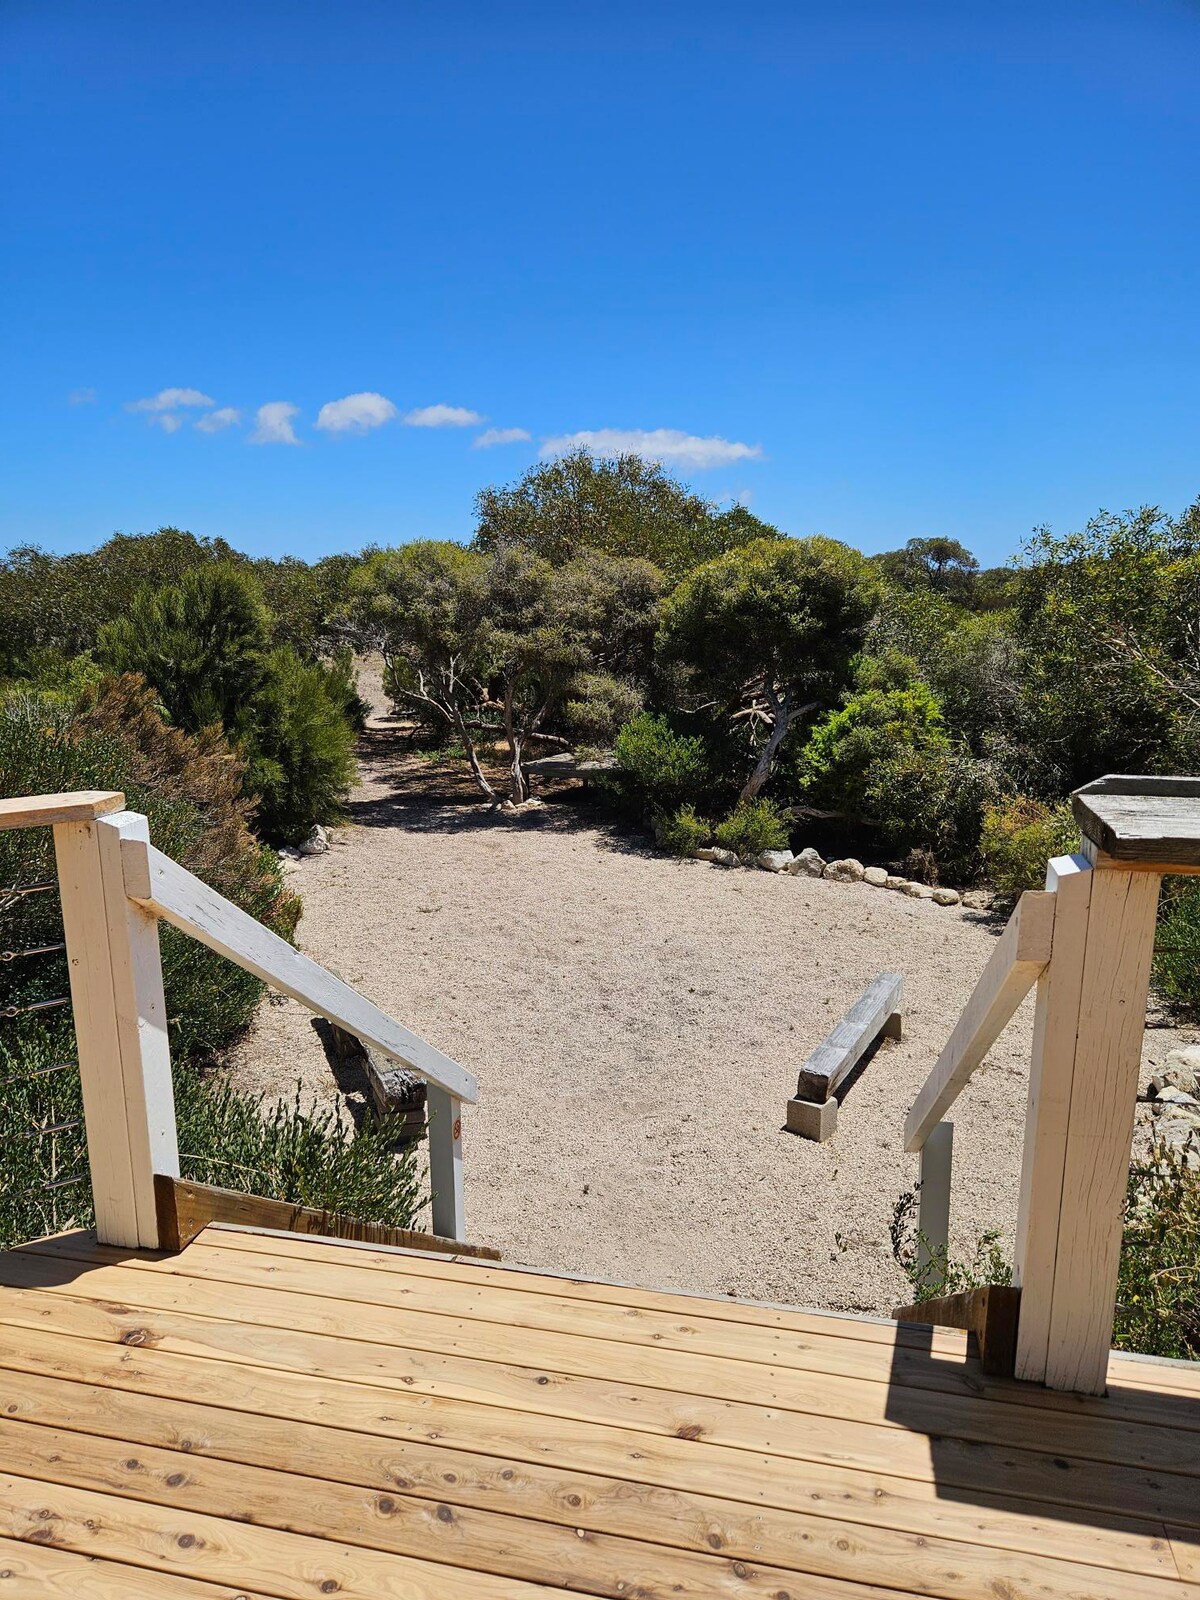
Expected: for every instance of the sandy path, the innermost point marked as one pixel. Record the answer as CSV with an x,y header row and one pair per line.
x,y
636,1023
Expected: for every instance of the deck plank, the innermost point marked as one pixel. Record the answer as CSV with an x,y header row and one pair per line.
x,y
296,1417
537,1552
751,1529
737,1403
142,1351
28,1569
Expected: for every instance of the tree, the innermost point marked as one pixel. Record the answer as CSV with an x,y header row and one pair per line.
x,y
770,632
623,506
424,607
942,565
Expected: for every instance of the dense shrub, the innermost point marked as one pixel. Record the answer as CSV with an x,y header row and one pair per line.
x,y
753,826
659,766
1177,946
1158,1285
598,708
683,832
204,645
1019,837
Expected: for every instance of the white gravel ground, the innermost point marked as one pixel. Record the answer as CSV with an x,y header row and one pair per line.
x,y
636,1024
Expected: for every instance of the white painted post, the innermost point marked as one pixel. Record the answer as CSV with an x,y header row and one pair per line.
x,y
120,1025
446,1163
933,1215
1087,1052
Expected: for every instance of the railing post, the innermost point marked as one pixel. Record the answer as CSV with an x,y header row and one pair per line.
x,y
1082,1094
446,1163
120,1026
933,1215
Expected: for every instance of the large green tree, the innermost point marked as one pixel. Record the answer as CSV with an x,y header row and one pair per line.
x,y
624,506
768,634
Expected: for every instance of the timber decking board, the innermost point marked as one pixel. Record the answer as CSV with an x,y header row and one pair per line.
x,y
279,1419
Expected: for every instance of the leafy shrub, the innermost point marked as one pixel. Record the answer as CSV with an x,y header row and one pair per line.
x,y
1018,839
1177,945
660,766
204,646
190,789
683,833
599,706
1158,1285
754,826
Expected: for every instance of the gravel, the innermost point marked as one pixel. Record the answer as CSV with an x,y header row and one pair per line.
x,y
636,1024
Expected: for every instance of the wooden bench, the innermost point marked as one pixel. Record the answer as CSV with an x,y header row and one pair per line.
x,y
813,1112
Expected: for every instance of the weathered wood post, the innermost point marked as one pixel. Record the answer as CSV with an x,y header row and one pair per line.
x,y
446,1164
120,1027
1091,1012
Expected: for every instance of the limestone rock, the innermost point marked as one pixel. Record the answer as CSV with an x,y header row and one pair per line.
x,y
706,852
725,858
775,860
895,882
847,871
1169,1098
809,863
317,842
917,891
977,900
946,897
876,876
1181,1069
289,853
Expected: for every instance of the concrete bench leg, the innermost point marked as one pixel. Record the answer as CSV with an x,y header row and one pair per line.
x,y
813,1119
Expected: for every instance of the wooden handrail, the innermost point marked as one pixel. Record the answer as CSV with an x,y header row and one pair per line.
x,y
1012,970
47,810
176,895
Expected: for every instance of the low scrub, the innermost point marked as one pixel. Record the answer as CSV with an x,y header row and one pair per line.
x,y
753,826
1019,837
682,833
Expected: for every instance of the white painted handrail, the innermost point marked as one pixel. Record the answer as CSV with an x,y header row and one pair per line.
x,y
176,895
1012,970
115,887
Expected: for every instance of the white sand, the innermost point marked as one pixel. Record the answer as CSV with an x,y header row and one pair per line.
x,y
636,1024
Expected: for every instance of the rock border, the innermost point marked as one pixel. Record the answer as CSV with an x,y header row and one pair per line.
x,y
810,863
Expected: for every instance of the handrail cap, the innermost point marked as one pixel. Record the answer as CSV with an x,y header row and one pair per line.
x,y
43,810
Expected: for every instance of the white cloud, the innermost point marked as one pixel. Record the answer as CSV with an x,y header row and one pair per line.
x,y
168,421
668,445
356,413
171,400
442,417
491,436
226,417
81,397
273,423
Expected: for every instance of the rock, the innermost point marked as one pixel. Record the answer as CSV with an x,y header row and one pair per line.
x,y
1182,1135
847,871
1181,1069
775,860
706,852
946,897
917,891
894,882
289,853
317,842
1168,1097
977,900
808,863
725,858
876,877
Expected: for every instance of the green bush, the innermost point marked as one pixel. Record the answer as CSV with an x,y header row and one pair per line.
x,y
660,767
1158,1284
754,826
204,645
1177,945
1019,837
682,833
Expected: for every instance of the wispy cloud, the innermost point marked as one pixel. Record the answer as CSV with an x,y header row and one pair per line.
x,y
168,421
491,436
273,423
171,400
356,413
215,421
668,445
442,417
82,397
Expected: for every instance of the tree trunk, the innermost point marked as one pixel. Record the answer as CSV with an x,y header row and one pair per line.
x,y
784,715
516,778
477,771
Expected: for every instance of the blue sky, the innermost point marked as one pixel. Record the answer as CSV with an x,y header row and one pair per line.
x,y
878,270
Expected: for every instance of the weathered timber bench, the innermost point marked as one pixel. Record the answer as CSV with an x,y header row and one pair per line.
x,y
813,1113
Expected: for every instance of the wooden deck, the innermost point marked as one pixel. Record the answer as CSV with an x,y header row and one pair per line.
x,y
290,1417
